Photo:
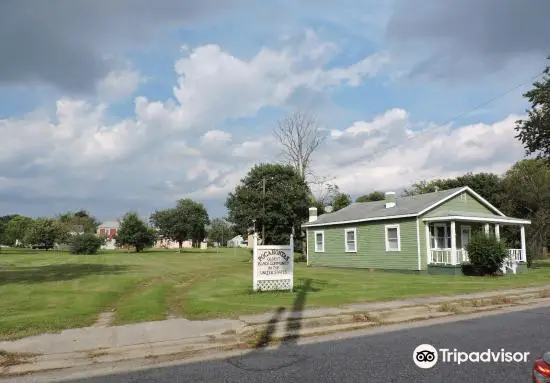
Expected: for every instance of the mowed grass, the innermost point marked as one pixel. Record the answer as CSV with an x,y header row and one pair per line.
x,y
50,291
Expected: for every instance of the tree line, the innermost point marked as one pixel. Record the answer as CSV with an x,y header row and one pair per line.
x,y
188,220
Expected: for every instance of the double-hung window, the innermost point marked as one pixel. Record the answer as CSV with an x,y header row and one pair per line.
x,y
350,236
319,241
393,238
441,236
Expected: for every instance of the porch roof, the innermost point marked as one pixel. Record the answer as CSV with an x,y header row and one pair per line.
x,y
476,217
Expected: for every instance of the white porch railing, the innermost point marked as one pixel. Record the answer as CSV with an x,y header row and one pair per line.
x,y
515,255
462,256
444,257
441,256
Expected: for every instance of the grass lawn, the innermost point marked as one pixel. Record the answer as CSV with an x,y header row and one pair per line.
x,y
48,291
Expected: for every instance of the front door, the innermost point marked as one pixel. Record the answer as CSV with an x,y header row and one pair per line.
x,y
465,234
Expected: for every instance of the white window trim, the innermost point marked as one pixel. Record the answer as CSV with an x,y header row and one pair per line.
x,y
346,231
322,250
396,226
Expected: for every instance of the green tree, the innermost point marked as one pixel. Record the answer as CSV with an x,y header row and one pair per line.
x,y
220,231
3,222
534,131
16,229
487,185
374,196
527,188
280,210
86,244
46,232
81,218
187,220
341,201
134,232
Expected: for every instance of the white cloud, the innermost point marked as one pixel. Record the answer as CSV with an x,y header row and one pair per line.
x,y
178,147
397,158
216,137
119,85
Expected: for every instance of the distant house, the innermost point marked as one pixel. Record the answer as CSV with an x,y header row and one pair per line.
x,y
422,233
237,241
108,229
165,243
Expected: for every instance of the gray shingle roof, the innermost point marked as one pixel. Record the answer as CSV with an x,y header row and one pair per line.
x,y
411,205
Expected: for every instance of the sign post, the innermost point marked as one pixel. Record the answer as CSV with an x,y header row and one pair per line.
x,y
273,266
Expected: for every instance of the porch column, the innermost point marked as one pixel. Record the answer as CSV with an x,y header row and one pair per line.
x,y
486,228
523,247
428,244
497,231
453,243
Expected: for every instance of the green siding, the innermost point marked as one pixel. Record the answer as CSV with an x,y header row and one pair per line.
x,y
371,246
470,204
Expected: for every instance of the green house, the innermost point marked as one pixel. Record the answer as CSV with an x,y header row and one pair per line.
x,y
421,233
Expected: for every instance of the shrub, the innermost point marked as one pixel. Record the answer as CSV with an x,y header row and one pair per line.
x,y
86,244
486,253
300,257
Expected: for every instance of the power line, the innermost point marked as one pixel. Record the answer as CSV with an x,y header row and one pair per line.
x,y
426,131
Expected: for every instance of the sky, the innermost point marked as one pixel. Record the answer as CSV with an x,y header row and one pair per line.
x,y
117,106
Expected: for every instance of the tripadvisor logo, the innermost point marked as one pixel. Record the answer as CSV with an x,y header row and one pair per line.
x,y
426,356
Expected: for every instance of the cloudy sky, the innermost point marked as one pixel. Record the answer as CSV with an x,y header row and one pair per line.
x,y
129,105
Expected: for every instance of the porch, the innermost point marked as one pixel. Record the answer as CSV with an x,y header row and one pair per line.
x,y
448,236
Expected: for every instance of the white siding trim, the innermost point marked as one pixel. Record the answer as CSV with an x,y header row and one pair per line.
x,y
322,250
307,247
428,242
418,243
346,231
361,220
394,226
478,219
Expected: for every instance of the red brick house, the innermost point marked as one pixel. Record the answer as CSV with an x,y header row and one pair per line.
x,y
108,229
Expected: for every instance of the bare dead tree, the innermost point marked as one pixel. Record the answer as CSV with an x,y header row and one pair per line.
x,y
325,188
300,136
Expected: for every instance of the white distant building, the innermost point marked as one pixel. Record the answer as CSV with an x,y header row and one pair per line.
x,y
237,241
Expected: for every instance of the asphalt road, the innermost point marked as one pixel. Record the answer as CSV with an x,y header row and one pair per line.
x,y
386,357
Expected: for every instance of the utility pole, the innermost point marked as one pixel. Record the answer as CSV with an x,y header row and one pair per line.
x,y
263,210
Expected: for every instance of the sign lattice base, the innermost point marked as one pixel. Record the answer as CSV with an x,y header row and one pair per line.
x,y
275,284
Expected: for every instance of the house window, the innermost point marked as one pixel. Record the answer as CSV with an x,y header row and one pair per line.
x,y
393,238
351,240
319,241
441,236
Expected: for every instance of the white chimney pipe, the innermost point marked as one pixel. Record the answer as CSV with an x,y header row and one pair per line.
x,y
312,214
390,199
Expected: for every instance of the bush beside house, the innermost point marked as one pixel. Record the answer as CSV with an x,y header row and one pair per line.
x,y
486,253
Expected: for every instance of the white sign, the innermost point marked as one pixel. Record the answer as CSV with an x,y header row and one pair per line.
x,y
273,266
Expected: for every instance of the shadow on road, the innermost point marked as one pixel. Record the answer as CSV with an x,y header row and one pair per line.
x,y
261,359
267,335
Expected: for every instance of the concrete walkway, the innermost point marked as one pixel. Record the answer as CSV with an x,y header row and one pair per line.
x,y
148,333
